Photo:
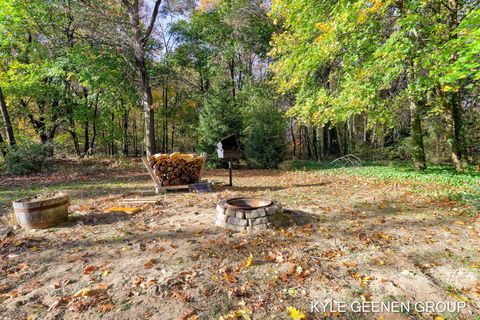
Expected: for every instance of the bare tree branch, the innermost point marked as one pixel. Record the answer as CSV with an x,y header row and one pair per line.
x,y
149,30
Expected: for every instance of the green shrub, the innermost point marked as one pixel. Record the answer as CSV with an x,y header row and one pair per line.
x,y
220,116
265,144
27,158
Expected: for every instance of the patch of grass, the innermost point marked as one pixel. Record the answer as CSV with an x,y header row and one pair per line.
x,y
457,186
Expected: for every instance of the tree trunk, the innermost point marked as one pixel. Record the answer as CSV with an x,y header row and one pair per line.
x,y
86,142
308,143
94,126
173,133
165,124
292,132
321,141
147,103
327,140
418,151
300,144
139,40
451,138
2,147
135,147
6,119
76,144
454,111
125,133
232,77
365,126
339,141
112,137
460,135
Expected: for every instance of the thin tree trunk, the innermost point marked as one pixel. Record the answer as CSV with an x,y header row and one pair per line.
x,y
292,131
460,135
86,142
346,147
315,142
135,147
125,133
327,140
232,77
322,142
339,142
173,133
300,144
112,141
165,127
76,144
6,119
308,143
94,126
2,147
365,125
454,111
452,143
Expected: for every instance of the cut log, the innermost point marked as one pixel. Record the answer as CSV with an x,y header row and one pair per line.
x,y
176,169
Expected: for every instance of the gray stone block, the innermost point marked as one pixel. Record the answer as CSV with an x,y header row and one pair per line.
x,y
220,209
257,213
238,222
240,215
222,217
254,222
230,212
271,210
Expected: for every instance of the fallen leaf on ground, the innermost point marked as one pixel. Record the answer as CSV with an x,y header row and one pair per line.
x,y
89,269
246,263
296,314
149,264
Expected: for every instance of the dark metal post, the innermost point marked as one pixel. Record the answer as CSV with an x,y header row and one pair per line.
x,y
230,172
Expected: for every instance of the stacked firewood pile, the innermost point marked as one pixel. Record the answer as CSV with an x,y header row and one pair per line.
x,y
177,168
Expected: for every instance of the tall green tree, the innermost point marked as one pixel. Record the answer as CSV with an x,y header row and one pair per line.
x,y
372,58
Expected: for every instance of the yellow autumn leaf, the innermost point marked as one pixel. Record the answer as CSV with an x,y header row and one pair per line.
x,y
438,318
247,262
296,314
85,292
243,313
105,273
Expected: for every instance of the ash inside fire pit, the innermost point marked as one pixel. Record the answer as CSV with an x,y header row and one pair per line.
x,y
249,214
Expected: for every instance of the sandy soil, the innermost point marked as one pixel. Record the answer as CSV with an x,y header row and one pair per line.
x,y
345,238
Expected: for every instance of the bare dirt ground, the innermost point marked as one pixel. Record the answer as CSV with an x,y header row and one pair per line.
x,y
345,238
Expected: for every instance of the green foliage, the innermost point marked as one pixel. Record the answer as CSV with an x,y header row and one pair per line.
x,y
376,58
219,117
265,145
28,157
264,133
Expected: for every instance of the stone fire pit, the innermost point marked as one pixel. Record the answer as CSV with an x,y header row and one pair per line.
x,y
249,214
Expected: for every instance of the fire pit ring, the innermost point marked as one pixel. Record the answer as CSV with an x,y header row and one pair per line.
x,y
248,203
250,214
